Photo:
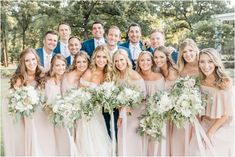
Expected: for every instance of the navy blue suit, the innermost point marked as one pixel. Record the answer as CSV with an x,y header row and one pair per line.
x,y
69,61
41,56
127,45
88,46
174,56
57,48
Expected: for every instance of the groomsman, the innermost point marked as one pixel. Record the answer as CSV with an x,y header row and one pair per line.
x,y
46,52
134,44
98,34
157,38
74,48
113,37
64,32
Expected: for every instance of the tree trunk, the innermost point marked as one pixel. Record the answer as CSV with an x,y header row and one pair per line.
x,y
4,48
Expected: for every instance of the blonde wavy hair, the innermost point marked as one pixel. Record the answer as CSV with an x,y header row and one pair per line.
x,y
79,54
117,72
108,69
181,62
222,80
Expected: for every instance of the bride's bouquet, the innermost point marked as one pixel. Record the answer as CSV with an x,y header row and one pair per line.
x,y
69,107
155,115
129,96
187,100
106,94
24,101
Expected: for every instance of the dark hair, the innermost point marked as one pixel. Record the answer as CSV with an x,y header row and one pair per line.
x,y
97,22
50,32
133,25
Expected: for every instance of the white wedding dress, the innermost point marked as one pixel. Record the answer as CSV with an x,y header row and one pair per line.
x,y
92,138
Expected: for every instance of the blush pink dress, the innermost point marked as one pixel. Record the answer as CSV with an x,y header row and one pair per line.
x,y
61,137
154,147
18,137
219,103
134,142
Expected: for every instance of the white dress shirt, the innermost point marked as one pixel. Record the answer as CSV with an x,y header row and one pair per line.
x,y
47,60
64,50
99,42
135,51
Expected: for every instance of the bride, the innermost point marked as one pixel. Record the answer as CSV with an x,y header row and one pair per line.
x,y
92,136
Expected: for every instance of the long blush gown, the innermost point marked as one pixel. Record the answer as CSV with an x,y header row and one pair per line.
x,y
135,144
219,103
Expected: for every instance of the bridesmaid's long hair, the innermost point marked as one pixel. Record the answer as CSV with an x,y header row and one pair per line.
x,y
51,72
181,62
117,73
79,54
222,80
22,73
108,70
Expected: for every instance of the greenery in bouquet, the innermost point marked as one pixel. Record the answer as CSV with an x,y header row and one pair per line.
x,y
93,106
155,115
106,94
69,107
23,102
188,101
129,96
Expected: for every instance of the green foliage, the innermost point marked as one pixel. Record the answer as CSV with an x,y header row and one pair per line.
x,y
25,22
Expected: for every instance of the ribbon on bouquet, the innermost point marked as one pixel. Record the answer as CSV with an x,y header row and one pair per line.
x,y
124,126
113,135
73,148
163,141
31,140
200,134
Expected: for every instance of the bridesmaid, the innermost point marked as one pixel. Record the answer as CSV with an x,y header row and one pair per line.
x,y
58,140
218,120
154,82
92,135
124,74
17,137
71,79
164,64
80,64
187,66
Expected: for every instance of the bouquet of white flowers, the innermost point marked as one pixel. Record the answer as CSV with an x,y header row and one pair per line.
x,y
155,115
129,96
187,100
24,101
106,94
69,107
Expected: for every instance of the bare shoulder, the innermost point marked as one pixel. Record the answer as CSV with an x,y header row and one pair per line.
x,y
87,75
135,75
173,74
